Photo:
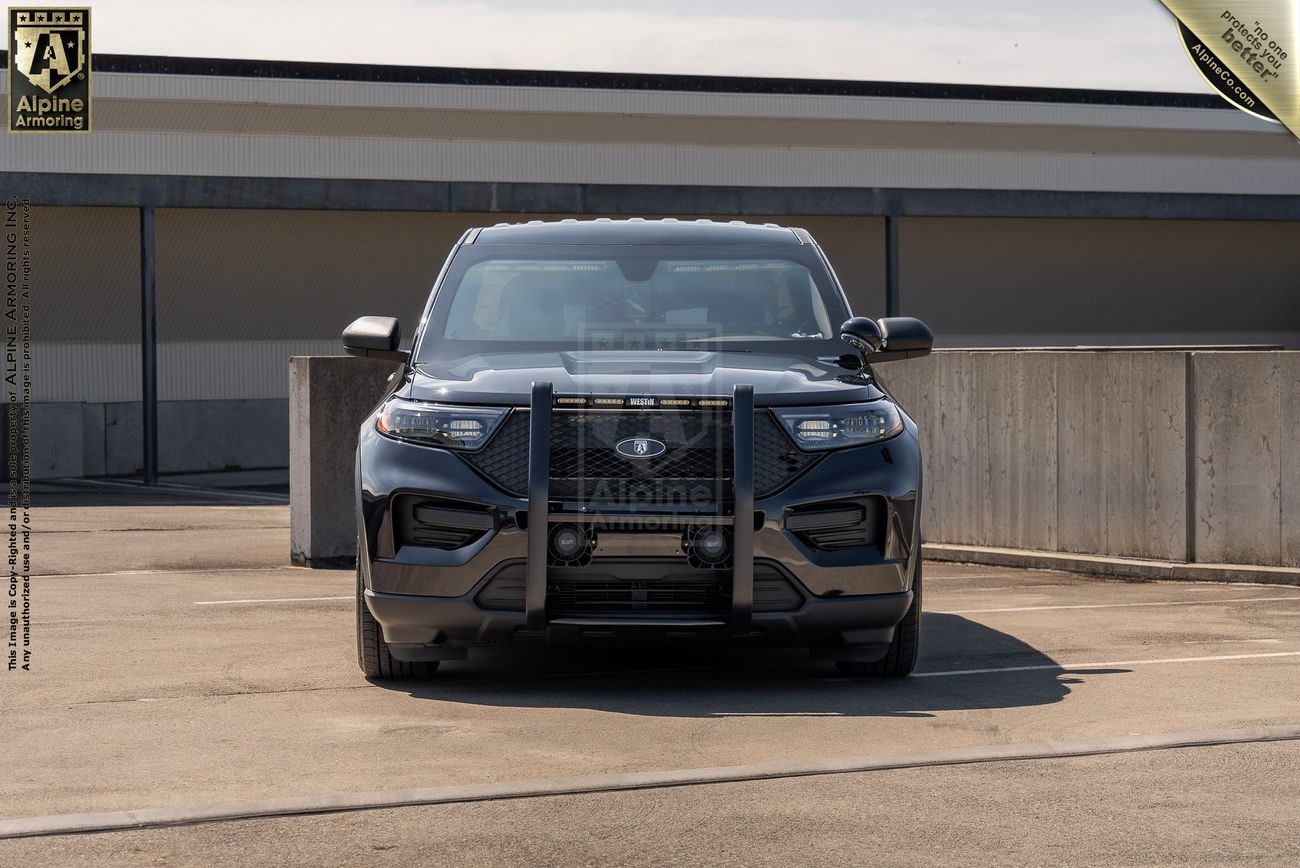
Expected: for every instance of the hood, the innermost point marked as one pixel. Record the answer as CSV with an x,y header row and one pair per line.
x,y
507,378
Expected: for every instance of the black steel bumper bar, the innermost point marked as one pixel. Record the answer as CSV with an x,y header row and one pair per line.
x,y
539,514
539,496
742,532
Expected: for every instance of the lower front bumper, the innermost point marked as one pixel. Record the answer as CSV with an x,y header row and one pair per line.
x,y
430,628
430,601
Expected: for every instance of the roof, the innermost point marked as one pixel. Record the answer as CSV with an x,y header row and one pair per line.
x,y
637,231
394,74
265,134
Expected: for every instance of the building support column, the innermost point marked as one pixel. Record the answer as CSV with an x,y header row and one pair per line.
x,y
891,265
148,346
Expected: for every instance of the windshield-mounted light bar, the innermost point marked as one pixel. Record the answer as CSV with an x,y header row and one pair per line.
x,y
638,402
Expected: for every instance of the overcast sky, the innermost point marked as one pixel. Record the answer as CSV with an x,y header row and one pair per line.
x,y
1126,44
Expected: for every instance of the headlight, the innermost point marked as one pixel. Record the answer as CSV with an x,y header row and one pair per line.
x,y
838,427
439,424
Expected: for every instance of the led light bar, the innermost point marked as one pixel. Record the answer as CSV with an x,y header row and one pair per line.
x,y
639,402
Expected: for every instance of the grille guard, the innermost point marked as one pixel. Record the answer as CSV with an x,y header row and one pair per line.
x,y
539,510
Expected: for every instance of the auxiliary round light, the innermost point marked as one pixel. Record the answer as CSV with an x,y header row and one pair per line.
x,y
567,542
707,547
712,545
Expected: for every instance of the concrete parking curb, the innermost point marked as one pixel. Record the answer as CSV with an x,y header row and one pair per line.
x,y
66,824
1111,567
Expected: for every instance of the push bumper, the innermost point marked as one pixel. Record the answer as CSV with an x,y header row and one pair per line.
x,y
847,617
540,517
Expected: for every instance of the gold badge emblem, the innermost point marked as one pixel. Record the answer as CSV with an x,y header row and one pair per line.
x,y
1246,50
49,70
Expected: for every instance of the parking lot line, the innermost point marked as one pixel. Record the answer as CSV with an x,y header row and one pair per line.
x,y
183,815
1105,664
272,600
1291,599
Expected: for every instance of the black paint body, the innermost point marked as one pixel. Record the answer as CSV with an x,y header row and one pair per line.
x,y
833,535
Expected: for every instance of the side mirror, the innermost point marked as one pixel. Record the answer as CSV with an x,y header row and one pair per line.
x,y
862,334
375,337
905,337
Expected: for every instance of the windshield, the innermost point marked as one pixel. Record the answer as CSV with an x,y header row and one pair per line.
x,y
682,299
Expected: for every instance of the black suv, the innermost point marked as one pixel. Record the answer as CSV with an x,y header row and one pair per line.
x,y
638,431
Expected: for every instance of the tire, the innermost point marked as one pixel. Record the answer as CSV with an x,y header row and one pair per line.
x,y
900,660
372,650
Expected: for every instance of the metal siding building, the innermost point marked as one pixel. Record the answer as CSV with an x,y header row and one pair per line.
x,y
290,198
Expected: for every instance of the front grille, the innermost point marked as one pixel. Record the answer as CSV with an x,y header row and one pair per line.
x,y
654,588
695,469
777,462
504,460
698,595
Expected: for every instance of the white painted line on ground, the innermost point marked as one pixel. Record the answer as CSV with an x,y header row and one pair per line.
x,y
272,600
1230,641
184,815
1022,586
1105,664
176,571
1290,599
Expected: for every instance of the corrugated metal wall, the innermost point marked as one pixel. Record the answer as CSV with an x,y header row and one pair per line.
x,y
286,275
579,162
187,370
86,274
240,291
222,126
1012,282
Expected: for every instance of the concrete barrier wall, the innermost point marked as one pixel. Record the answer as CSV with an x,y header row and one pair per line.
x,y
1247,457
329,396
1167,455
72,438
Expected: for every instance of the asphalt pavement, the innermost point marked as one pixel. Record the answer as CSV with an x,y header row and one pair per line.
x,y
179,662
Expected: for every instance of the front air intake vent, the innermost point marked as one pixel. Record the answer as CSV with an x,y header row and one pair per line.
x,y
849,538
445,525
834,526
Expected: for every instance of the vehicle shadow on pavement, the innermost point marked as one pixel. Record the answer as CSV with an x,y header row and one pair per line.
x,y
729,681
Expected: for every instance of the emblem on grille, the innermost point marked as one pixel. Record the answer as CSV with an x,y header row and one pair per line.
x,y
640,447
